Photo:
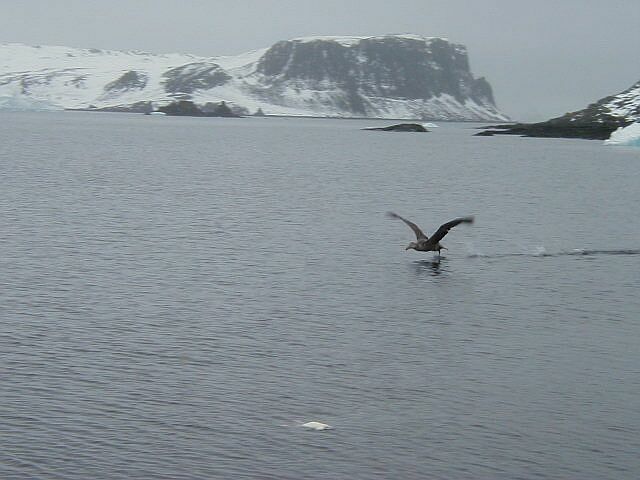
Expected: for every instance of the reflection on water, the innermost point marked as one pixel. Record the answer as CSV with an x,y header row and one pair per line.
x,y
434,267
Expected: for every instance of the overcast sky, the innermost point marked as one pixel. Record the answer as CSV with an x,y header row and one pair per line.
x,y
542,58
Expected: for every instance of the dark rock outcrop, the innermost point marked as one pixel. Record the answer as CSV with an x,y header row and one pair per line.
x,y
367,75
194,76
189,109
218,110
400,127
595,122
558,128
130,80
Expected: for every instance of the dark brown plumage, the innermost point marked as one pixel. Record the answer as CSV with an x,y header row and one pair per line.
x,y
426,244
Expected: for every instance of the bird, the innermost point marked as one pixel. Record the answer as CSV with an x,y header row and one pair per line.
x,y
426,244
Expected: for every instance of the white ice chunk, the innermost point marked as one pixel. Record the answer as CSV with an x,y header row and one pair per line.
x,y
629,136
316,426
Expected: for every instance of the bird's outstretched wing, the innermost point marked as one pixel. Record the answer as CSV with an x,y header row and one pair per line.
x,y
445,227
419,233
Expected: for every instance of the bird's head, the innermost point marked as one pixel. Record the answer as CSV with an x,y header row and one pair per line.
x,y
411,245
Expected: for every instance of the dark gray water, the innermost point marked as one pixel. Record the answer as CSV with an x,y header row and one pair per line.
x,y
179,295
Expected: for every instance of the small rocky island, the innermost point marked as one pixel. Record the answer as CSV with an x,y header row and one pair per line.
x,y
400,127
187,108
557,128
596,122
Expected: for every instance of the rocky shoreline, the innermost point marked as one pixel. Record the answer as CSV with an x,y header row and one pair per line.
x,y
595,122
559,128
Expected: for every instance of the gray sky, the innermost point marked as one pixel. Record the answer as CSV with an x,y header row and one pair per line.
x,y
542,58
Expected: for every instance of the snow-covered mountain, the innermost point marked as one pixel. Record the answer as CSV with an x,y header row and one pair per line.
x,y
394,76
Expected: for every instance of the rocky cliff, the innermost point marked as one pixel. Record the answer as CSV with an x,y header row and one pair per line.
x,y
393,76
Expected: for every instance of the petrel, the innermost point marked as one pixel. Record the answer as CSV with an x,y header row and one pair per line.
x,y
426,244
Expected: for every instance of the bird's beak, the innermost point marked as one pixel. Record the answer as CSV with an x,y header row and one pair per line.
x,y
408,247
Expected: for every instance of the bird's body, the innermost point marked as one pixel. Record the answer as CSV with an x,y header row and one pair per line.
x,y
426,244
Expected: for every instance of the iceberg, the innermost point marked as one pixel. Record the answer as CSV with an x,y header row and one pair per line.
x,y
21,103
627,136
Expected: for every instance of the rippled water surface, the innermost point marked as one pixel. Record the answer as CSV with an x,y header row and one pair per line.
x,y
179,295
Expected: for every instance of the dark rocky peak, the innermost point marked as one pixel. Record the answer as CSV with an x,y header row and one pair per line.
x,y
130,80
416,68
194,76
481,91
308,60
403,67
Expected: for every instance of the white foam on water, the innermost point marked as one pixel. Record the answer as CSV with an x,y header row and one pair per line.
x,y
473,252
540,251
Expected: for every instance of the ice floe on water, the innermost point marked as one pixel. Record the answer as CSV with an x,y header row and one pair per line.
x,y
316,426
626,136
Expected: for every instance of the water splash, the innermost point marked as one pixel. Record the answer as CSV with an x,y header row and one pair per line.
x,y
472,251
583,251
541,251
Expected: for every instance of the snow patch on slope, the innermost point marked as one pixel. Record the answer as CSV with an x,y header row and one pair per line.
x,y
626,104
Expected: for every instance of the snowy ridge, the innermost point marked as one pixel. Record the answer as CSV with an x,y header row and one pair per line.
x,y
351,40
625,104
392,76
620,109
